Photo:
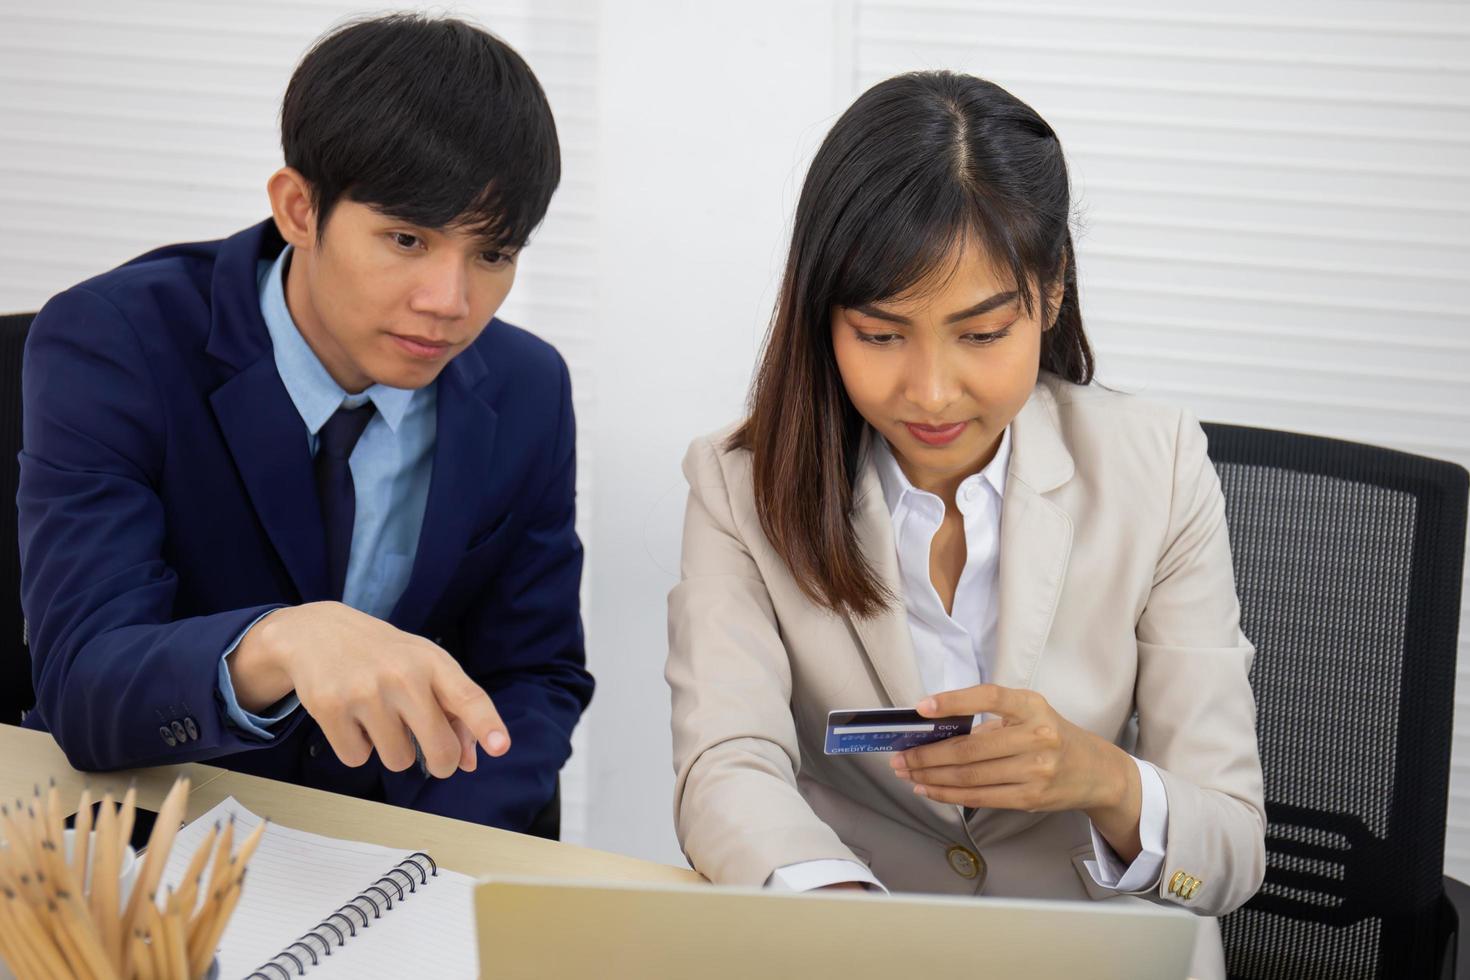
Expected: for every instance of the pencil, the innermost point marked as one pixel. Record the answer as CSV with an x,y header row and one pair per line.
x,y
189,884
158,941
53,846
82,838
11,832
84,932
219,869
15,945
205,953
141,957
54,831
55,819
12,952
165,828
173,930
48,958
63,940
104,901
116,848
247,849
46,857
125,818
17,831
201,926
222,859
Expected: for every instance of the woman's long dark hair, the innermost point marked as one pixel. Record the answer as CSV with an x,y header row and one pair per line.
x,y
917,165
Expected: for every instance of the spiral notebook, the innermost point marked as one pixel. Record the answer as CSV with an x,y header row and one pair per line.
x,y
323,907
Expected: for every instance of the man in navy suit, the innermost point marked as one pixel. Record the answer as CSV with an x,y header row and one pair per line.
x,y
294,502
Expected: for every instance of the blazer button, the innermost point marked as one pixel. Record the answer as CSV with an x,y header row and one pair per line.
x,y
191,728
1184,885
178,729
965,862
313,749
167,734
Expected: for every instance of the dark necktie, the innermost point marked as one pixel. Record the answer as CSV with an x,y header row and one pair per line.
x,y
334,488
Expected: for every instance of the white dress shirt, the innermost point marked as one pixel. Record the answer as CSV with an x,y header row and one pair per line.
x,y
956,650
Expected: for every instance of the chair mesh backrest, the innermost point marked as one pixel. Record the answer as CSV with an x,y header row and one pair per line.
x,y
1348,561
15,664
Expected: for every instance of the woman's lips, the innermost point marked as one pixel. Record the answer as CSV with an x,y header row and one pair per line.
x,y
936,435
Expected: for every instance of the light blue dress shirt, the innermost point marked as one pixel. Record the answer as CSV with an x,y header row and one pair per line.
x,y
391,466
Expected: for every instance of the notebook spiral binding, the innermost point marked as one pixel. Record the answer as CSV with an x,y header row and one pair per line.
x,y
377,898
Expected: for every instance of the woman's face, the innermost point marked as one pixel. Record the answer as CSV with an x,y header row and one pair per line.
x,y
942,369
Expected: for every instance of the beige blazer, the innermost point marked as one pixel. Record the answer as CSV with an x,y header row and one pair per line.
x,y
1116,596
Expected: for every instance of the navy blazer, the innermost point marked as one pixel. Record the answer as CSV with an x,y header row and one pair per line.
x,y
166,500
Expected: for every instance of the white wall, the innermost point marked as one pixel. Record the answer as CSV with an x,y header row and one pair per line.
x,y
709,113
1274,208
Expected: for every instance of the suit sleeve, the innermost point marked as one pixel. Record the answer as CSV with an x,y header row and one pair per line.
x,y
1196,711
523,644
737,809
110,663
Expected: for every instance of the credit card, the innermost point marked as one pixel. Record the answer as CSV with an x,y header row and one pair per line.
x,y
888,730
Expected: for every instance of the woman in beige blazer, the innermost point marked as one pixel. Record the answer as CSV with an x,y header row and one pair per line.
x,y
930,505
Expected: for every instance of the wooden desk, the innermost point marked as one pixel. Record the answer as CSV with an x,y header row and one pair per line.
x,y
32,758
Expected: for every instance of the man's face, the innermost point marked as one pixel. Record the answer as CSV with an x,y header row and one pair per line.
x,y
382,301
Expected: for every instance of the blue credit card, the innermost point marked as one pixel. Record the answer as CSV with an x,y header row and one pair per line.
x,y
888,730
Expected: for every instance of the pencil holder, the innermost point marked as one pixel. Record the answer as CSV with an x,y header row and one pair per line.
x,y
80,903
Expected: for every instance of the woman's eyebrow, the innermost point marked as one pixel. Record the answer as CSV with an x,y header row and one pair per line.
x,y
984,306
878,314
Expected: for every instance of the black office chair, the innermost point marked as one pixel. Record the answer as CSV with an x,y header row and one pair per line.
x,y
1348,560
547,823
16,695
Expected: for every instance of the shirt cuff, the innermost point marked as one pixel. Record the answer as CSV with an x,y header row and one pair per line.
x,y
807,875
244,720
1153,833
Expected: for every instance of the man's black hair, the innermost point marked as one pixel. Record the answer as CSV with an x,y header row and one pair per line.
x,y
430,120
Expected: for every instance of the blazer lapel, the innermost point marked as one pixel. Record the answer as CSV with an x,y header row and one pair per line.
x,y
1035,541
268,442
462,477
885,637
261,427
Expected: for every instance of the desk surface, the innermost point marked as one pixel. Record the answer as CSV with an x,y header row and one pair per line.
x,y
33,758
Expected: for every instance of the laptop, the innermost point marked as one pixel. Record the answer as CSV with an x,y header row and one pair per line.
x,y
530,927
